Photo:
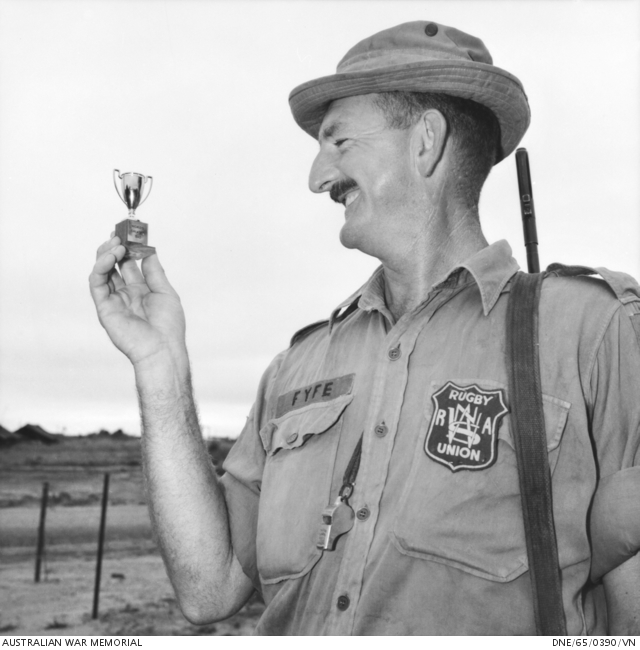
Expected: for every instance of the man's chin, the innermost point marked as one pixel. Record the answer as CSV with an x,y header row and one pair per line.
x,y
347,242
349,238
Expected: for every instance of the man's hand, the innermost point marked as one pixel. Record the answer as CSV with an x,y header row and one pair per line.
x,y
622,589
139,309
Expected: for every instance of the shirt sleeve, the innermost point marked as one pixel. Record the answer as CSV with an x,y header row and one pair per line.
x,y
615,397
615,417
242,479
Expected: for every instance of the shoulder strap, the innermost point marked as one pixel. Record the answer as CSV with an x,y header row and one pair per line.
x,y
305,331
527,422
628,292
623,285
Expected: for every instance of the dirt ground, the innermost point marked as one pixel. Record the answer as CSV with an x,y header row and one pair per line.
x,y
136,597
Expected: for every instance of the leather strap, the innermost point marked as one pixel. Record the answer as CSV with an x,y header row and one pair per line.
x,y
530,441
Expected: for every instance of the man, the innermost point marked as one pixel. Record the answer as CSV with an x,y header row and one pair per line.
x,y
390,420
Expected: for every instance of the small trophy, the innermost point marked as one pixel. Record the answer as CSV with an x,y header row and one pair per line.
x,y
132,232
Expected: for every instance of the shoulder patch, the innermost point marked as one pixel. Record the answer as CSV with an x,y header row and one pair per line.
x,y
305,331
463,433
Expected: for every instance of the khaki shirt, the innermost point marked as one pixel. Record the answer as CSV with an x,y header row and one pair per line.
x,y
437,546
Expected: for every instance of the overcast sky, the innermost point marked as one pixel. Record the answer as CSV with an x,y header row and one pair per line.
x,y
195,94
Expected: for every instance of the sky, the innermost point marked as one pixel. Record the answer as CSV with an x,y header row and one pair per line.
x,y
194,93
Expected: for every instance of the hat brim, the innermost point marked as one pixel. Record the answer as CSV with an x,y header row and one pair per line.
x,y
490,86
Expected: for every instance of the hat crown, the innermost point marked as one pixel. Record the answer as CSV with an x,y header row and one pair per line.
x,y
420,57
414,42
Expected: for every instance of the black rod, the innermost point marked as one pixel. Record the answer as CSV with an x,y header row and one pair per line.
x,y
103,521
527,210
43,515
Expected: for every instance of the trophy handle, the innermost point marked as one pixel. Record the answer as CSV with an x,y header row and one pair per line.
x,y
116,172
146,196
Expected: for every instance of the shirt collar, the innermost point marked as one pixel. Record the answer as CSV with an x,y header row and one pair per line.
x,y
491,268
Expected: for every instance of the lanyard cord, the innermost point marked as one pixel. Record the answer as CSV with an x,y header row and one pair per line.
x,y
349,479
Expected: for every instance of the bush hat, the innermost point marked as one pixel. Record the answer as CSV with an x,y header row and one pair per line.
x,y
420,56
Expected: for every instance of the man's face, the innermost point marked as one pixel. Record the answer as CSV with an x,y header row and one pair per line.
x,y
367,167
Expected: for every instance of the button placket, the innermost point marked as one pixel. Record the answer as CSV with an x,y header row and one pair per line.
x,y
386,398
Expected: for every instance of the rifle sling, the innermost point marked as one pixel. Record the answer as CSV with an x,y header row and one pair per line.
x,y
530,442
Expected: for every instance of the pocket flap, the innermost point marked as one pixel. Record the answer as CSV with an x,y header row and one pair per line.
x,y
293,429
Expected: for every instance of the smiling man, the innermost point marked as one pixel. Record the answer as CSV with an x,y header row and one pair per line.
x,y
374,488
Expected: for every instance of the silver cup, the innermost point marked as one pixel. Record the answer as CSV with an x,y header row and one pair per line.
x,y
131,189
133,233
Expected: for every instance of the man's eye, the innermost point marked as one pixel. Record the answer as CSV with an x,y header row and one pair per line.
x,y
339,143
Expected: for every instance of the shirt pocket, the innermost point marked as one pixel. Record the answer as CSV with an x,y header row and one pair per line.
x,y
471,519
301,448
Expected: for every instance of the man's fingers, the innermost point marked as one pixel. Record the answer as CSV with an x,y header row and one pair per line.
x,y
115,281
108,245
154,275
130,272
102,272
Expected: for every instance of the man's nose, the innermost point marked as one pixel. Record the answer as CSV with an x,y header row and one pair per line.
x,y
323,172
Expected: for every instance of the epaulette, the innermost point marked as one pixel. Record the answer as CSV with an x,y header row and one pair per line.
x,y
625,287
305,331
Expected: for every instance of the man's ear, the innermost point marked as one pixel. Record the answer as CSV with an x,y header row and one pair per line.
x,y
428,140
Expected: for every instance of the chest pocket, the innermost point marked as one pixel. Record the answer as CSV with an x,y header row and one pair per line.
x,y
471,520
301,449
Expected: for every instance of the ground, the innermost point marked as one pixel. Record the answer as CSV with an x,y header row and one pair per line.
x,y
135,597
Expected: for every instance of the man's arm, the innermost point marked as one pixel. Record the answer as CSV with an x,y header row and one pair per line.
x,y
622,589
143,316
615,423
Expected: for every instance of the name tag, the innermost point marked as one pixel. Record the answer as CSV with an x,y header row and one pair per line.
x,y
320,391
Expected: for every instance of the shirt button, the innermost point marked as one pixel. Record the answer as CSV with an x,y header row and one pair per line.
x,y
381,430
363,514
292,438
343,603
394,353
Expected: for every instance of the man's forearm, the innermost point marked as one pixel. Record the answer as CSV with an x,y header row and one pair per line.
x,y
186,503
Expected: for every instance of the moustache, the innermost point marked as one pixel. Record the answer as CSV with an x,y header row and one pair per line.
x,y
340,188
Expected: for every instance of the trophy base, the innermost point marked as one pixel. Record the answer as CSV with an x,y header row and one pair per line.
x,y
138,251
133,235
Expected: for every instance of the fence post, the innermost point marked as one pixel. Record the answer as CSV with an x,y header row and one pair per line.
x,y
43,514
103,520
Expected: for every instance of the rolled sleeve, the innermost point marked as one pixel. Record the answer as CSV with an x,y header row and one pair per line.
x,y
615,394
615,397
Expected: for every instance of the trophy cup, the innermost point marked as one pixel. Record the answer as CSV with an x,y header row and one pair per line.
x,y
132,231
